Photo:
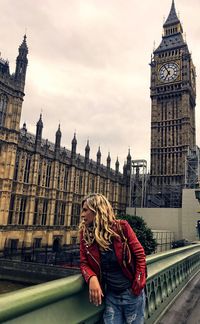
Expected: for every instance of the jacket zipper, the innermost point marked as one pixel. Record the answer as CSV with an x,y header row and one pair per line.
x,y
96,263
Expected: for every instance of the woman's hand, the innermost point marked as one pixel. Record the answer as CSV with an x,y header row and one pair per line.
x,y
95,292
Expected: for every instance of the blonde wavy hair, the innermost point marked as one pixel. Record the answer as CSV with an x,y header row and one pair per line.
x,y
104,217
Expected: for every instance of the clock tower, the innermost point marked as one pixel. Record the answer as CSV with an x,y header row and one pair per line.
x,y
173,100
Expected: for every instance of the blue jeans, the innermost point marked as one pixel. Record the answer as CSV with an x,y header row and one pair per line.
x,y
124,308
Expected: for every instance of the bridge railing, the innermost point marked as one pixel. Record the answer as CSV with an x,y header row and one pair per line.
x,y
168,274
66,300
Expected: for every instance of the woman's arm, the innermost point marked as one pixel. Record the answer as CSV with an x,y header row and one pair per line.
x,y
86,270
95,291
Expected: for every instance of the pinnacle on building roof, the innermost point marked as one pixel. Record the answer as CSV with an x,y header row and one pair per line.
x,y
23,45
99,152
129,154
87,148
172,19
74,141
58,132
117,161
108,158
117,165
40,123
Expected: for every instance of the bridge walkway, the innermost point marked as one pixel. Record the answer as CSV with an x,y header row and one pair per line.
x,y
186,308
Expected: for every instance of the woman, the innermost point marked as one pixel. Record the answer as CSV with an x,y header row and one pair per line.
x,y
112,262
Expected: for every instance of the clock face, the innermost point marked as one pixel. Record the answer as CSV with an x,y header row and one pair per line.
x,y
169,72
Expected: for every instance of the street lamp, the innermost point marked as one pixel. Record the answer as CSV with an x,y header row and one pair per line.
x,y
197,195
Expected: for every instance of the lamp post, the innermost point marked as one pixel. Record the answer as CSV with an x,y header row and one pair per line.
x,y
197,195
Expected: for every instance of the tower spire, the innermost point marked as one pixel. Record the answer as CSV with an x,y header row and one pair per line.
x,y
21,63
87,152
39,127
108,161
172,38
74,144
99,156
58,138
172,18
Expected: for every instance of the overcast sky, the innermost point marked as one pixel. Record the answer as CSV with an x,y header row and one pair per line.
x,y
89,67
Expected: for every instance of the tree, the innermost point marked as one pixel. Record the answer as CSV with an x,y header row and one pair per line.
x,y
143,232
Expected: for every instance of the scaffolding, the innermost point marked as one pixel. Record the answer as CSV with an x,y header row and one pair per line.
x,y
138,185
144,194
192,168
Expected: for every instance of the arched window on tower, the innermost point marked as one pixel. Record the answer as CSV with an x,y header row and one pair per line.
x,y
44,212
27,169
16,166
3,105
22,211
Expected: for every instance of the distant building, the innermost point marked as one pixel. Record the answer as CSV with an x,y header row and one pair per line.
x,y
41,183
173,101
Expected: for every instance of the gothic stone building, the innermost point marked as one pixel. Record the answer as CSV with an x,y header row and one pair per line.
x,y
41,183
173,97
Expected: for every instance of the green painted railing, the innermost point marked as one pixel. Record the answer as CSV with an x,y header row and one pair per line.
x,y
66,300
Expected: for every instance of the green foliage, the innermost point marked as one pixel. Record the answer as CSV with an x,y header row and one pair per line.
x,y
143,232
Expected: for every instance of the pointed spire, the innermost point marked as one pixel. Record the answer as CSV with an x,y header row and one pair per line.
x,y
23,46
40,123
99,156
74,143
129,155
129,159
172,19
21,63
74,140
117,165
39,128
58,132
108,160
58,138
87,148
87,152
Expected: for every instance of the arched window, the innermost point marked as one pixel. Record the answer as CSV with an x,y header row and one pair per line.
x,y
27,169
3,105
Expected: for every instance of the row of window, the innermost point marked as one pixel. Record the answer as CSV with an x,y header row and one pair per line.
x,y
169,136
18,211
171,30
22,173
167,180
170,53
169,110
23,169
167,164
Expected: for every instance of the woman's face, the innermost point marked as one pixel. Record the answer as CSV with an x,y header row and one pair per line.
x,y
87,215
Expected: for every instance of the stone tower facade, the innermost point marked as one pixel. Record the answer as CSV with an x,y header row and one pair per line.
x,y
173,100
42,183
11,98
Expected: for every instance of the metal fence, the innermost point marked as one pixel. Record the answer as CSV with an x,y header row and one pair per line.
x,y
67,256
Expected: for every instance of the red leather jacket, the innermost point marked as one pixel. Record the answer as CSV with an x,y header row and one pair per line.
x,y
135,271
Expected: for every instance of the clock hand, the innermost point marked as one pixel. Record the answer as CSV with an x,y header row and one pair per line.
x,y
166,69
168,73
